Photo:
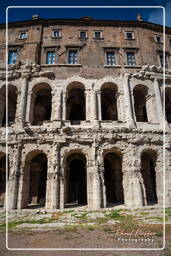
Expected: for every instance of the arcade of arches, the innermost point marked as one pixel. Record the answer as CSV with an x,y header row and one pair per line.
x,y
38,188
39,104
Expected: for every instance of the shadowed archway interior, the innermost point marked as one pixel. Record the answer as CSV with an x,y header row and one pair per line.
x,y
149,177
76,180
2,178
140,93
113,178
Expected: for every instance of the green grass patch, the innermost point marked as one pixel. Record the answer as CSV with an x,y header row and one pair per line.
x,y
168,211
116,215
91,227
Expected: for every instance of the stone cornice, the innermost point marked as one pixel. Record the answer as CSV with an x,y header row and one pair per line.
x,y
88,22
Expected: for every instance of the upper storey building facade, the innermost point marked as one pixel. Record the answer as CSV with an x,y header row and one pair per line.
x,y
85,113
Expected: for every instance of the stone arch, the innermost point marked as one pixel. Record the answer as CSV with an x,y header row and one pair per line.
x,y
113,177
148,164
75,102
109,101
12,104
168,104
41,103
34,179
2,178
75,179
140,93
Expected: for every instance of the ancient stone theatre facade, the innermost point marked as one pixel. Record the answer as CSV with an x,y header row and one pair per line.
x,y
85,113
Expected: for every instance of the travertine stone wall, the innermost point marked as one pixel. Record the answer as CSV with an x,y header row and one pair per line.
x,y
93,138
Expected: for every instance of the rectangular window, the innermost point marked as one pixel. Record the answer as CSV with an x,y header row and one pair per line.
x,y
162,61
56,33
50,57
23,35
12,57
83,34
158,39
73,57
169,41
98,34
130,58
110,58
129,35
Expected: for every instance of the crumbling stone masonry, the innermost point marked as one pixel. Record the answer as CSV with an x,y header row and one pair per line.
x,y
85,114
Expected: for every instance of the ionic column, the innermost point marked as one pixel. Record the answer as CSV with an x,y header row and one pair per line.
x,y
30,106
87,103
23,103
63,105
2,109
93,105
128,101
158,102
59,106
99,105
18,108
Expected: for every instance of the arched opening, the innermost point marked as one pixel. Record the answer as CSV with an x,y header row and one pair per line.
x,y
34,182
76,180
42,104
2,178
12,103
75,103
148,160
109,102
113,178
168,104
140,93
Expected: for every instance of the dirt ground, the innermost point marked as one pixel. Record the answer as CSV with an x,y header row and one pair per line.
x,y
114,229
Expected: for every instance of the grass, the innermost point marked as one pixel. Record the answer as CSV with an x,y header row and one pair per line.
x,y
91,227
168,211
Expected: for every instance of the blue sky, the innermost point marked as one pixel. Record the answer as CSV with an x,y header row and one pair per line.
x,y
154,15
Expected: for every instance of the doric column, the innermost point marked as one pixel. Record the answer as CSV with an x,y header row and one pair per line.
x,y
128,101
2,109
13,184
55,179
99,105
159,105
133,184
